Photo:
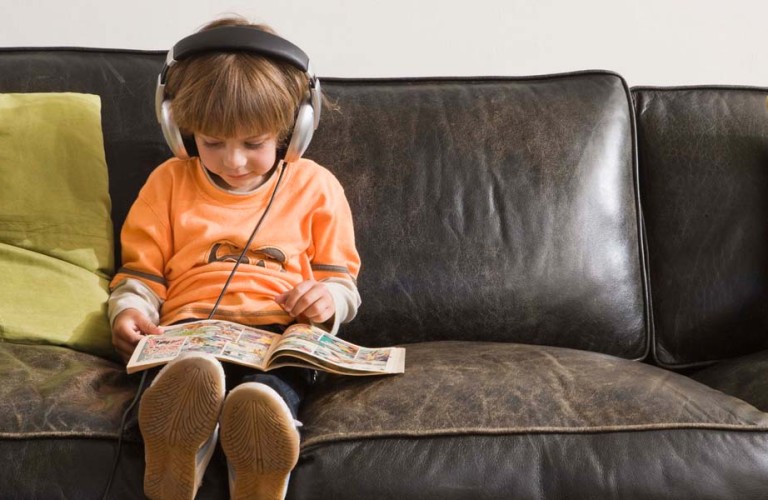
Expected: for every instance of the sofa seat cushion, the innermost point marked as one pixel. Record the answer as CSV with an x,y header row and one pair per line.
x,y
59,392
546,421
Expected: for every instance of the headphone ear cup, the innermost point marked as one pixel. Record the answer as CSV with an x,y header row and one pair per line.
x,y
303,129
171,132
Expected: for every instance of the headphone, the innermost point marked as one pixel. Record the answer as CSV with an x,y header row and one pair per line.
x,y
240,39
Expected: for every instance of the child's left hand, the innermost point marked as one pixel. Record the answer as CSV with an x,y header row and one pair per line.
x,y
310,299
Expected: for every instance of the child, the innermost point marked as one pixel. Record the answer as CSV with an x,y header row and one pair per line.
x,y
241,106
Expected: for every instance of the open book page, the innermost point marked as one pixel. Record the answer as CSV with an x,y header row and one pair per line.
x,y
300,345
223,339
332,354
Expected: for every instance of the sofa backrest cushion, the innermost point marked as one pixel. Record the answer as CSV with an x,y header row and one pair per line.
x,y
499,209
704,187
494,209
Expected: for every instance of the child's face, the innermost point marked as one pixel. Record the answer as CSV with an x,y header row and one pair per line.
x,y
238,163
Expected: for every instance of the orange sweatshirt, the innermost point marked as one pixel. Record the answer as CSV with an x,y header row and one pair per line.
x,y
183,235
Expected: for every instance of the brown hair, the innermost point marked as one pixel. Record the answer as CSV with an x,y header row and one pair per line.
x,y
240,93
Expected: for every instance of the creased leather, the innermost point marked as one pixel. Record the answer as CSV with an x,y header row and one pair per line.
x,y
462,388
52,391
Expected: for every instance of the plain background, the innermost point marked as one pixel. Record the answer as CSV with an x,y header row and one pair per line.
x,y
649,42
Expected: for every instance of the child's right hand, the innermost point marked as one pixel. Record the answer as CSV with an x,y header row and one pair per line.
x,y
127,330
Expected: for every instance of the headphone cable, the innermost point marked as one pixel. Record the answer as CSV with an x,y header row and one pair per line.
x,y
139,390
250,239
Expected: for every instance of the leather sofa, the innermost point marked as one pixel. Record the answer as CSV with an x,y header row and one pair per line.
x,y
578,270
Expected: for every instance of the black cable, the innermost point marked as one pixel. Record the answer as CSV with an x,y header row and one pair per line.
x,y
120,435
210,315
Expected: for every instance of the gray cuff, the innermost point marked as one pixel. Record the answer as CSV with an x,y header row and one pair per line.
x,y
346,300
133,294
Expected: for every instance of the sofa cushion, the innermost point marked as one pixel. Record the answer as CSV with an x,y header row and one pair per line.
x,y
60,392
703,184
56,252
544,422
498,209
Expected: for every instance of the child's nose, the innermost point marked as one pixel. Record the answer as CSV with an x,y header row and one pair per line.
x,y
235,158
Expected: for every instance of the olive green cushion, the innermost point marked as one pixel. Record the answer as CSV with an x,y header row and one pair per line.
x,y
56,244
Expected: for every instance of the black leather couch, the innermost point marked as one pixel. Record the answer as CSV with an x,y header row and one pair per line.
x,y
579,271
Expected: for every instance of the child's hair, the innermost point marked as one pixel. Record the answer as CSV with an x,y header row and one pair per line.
x,y
223,94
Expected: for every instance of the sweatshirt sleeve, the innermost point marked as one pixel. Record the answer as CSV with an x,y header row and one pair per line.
x,y
146,241
333,236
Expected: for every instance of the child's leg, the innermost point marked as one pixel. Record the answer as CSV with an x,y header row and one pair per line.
x,y
291,383
259,434
178,415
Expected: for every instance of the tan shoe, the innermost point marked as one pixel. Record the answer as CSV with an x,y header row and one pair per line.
x,y
178,418
260,439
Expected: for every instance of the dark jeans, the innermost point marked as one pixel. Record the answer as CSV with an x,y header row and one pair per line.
x,y
289,382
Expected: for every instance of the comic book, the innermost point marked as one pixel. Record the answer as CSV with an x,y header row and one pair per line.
x,y
300,345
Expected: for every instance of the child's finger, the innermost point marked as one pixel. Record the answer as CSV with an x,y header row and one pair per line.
x,y
289,300
319,312
149,328
306,300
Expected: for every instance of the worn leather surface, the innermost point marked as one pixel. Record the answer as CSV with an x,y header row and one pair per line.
x,y
745,377
703,179
489,420
451,388
491,209
51,391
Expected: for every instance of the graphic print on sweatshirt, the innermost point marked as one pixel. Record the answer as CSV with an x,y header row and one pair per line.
x,y
266,256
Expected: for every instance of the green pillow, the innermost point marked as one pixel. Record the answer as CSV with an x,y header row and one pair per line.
x,y
56,246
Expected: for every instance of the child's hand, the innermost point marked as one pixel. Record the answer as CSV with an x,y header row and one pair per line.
x,y
127,330
310,299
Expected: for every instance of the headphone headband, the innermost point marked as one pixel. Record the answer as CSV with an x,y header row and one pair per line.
x,y
239,39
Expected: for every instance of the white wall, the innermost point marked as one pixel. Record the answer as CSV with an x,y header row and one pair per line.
x,y
649,42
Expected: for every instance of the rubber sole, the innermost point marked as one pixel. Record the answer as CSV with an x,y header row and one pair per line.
x,y
260,440
177,415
